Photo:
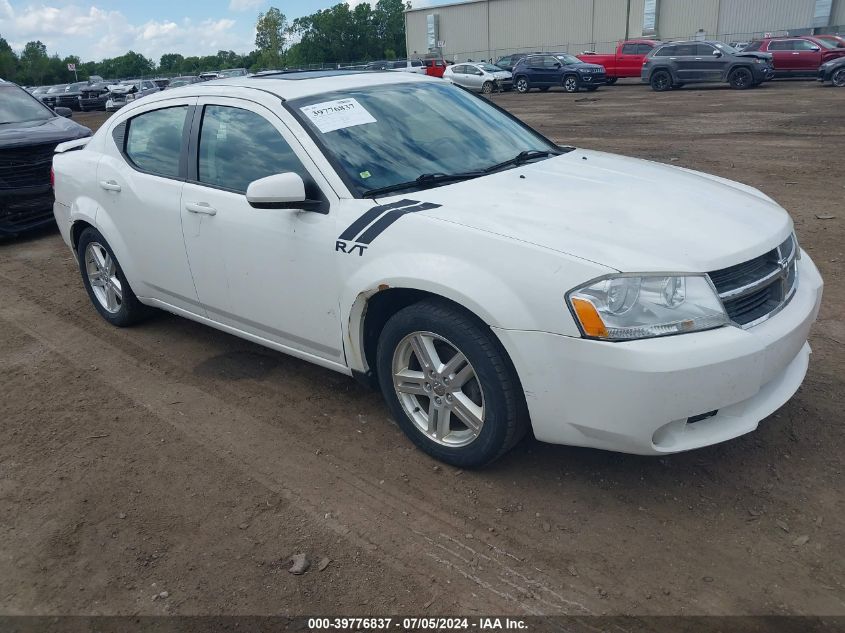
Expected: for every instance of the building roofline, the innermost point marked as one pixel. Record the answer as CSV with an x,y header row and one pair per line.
x,y
443,6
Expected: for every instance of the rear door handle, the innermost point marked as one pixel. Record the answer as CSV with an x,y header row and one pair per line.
x,y
109,185
200,207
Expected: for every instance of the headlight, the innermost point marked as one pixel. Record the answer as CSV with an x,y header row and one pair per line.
x,y
626,307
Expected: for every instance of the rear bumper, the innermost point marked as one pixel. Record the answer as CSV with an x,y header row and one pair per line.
x,y
637,397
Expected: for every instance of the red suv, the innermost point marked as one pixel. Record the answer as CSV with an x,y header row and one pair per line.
x,y
796,56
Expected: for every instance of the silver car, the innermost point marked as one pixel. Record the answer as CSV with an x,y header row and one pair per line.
x,y
481,76
127,91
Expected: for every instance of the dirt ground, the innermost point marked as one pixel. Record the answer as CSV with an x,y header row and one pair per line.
x,y
170,457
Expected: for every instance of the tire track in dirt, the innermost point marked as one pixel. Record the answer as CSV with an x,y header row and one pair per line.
x,y
504,582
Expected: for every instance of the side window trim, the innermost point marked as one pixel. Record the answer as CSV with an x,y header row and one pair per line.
x,y
121,136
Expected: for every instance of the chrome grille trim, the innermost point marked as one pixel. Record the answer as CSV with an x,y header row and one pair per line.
x,y
760,299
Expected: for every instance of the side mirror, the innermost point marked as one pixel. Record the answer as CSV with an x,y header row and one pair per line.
x,y
280,191
815,48
63,112
717,53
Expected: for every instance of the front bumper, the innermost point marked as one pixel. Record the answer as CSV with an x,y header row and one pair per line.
x,y
636,397
592,79
25,209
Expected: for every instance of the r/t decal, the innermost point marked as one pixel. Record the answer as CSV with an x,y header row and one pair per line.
x,y
373,222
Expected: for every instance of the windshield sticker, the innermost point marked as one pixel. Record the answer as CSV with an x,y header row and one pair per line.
x,y
365,174
337,115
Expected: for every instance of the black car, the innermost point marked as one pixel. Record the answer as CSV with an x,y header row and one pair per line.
x,y
48,97
834,72
70,97
509,61
29,132
677,63
557,69
94,96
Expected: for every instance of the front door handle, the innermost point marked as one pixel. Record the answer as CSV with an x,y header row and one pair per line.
x,y
200,207
109,185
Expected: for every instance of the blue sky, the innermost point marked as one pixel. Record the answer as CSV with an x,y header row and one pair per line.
x,y
94,29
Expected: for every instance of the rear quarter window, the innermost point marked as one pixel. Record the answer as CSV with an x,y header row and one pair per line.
x,y
154,141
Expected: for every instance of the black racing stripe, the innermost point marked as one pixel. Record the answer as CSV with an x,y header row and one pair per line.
x,y
361,223
389,218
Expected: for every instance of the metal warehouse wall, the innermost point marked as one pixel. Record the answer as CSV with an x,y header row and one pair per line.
x,y
484,29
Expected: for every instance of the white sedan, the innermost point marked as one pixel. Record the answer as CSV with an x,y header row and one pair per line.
x,y
398,229
481,77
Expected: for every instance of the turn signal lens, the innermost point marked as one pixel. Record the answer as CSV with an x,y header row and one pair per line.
x,y
589,318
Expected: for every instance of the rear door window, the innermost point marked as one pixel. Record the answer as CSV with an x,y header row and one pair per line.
x,y
154,141
782,45
629,49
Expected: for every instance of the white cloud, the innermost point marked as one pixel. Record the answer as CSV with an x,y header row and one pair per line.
x,y
94,33
244,5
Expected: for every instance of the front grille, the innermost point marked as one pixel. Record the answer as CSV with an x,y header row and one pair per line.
x,y
759,287
26,166
18,213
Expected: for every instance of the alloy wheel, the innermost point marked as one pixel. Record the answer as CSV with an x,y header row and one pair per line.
x,y
102,275
522,85
570,84
438,389
838,78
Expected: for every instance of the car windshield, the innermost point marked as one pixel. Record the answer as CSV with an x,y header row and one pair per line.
x,y
569,59
727,48
179,82
18,106
490,68
382,136
56,89
824,44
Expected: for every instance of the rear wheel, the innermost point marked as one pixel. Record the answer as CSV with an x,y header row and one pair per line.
x,y
661,81
105,282
740,78
450,385
487,88
521,85
571,83
838,78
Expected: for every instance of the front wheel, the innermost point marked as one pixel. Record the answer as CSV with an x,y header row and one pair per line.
x,y
450,385
521,85
487,88
838,78
571,83
740,79
105,282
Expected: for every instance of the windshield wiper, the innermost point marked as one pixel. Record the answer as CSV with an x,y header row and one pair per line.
x,y
522,158
424,180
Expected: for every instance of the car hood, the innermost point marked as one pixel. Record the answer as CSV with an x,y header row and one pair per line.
x,y
52,130
757,54
625,213
501,74
586,65
121,89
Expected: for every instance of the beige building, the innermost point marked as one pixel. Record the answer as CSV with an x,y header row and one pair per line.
x,y
488,29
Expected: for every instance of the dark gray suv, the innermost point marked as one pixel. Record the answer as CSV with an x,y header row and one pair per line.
x,y
677,63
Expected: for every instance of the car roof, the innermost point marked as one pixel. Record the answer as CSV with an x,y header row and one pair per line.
x,y
295,84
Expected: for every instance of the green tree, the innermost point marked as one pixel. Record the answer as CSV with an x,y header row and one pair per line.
x,y
8,61
270,32
34,63
389,19
171,63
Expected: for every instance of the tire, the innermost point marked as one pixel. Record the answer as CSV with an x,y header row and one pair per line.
x,y
612,80
661,81
112,297
487,88
838,78
490,393
545,89
521,85
571,83
740,78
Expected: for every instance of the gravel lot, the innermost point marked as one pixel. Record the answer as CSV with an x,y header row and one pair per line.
x,y
170,457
